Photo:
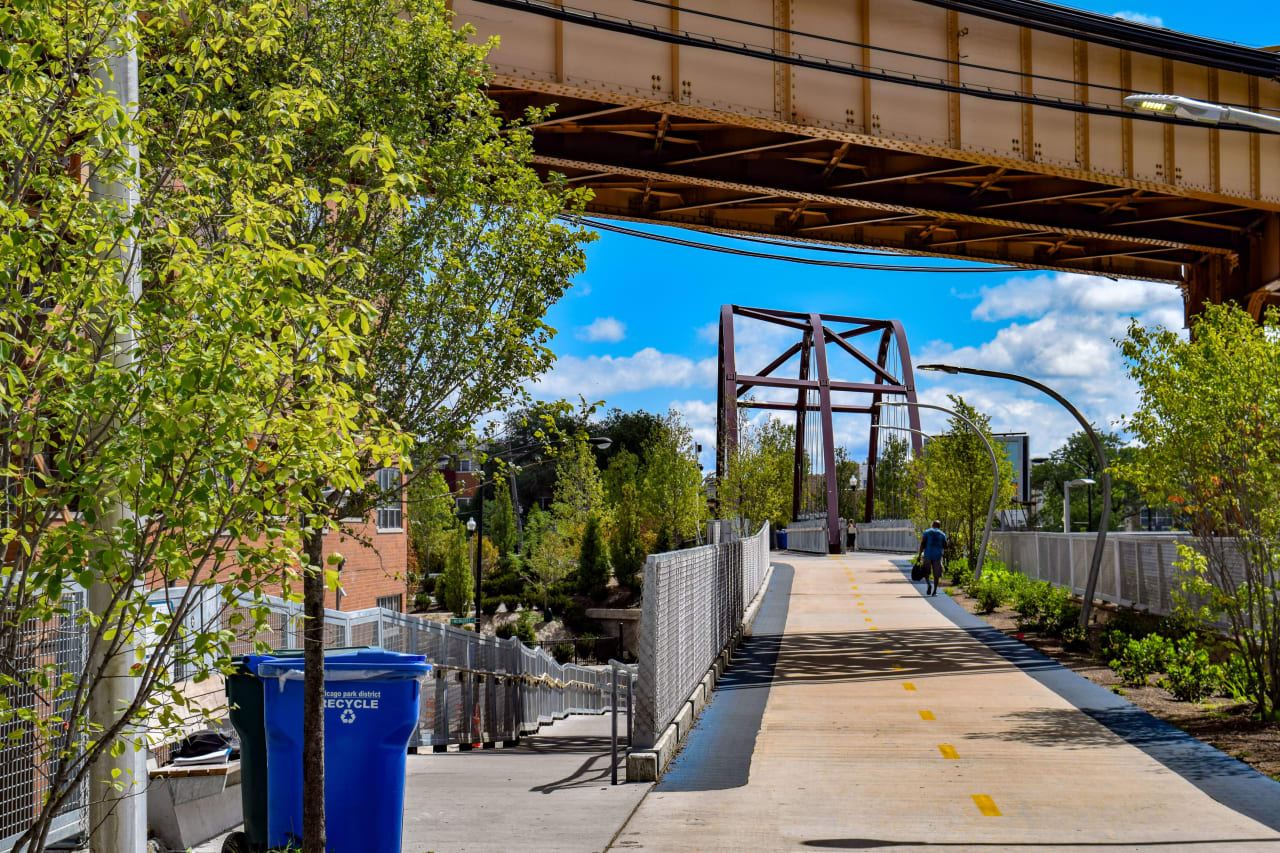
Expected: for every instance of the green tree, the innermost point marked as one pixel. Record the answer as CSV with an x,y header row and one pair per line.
x,y
626,550
501,523
671,481
579,491
1076,460
895,485
430,512
1208,432
455,587
757,482
956,471
847,486
174,389
593,560
623,470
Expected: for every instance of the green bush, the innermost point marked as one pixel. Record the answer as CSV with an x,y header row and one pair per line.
x,y
489,604
1028,603
1140,659
1189,675
593,561
574,615
525,630
990,595
1075,639
1238,678
422,601
505,631
512,602
427,584
1111,643
961,574
562,652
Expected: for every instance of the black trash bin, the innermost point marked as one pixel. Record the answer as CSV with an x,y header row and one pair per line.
x,y
244,698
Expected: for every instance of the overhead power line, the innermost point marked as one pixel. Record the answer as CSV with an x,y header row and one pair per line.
x,y
729,250
615,23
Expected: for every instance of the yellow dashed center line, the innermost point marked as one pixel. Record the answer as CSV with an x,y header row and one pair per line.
x,y
948,751
868,618
927,715
907,685
898,668
986,805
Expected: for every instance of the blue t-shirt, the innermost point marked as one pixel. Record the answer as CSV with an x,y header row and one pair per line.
x,y
934,540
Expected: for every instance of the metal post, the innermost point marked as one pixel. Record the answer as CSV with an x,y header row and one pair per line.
x,y
1066,507
613,723
118,817
1104,522
480,536
631,702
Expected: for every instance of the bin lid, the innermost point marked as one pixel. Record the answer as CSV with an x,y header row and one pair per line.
x,y
342,665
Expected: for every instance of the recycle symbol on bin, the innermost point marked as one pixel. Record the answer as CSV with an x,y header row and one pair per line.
x,y
348,716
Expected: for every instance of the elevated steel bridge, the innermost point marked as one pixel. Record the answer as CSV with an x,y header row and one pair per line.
x,y
987,130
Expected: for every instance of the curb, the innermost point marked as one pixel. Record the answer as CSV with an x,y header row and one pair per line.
x,y
648,765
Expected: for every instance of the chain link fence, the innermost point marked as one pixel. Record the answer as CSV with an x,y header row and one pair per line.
x,y
807,536
693,605
24,767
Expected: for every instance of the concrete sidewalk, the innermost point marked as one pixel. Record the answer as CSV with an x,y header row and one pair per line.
x,y
861,715
550,794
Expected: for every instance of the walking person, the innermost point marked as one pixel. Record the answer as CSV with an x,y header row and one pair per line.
x,y
851,536
931,545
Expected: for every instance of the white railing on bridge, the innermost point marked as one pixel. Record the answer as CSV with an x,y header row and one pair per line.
x,y
1137,569
810,536
694,601
898,535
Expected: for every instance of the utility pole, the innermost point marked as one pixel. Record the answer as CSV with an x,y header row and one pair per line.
x,y
118,818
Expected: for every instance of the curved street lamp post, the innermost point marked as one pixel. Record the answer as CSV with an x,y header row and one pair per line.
x,y
995,474
1105,521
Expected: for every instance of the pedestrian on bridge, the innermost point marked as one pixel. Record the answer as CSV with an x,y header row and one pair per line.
x,y
932,542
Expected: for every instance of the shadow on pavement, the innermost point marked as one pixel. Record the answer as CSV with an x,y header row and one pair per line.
x,y
717,753
1232,783
875,843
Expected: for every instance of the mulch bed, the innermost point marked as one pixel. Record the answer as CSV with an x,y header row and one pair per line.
x,y
1219,721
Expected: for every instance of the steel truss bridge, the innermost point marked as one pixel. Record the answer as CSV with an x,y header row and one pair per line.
x,y
984,130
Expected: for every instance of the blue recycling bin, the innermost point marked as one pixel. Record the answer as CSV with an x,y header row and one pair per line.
x,y
782,540
371,709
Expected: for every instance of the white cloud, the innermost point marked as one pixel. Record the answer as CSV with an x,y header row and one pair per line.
x,y
602,375
700,415
1066,339
605,329
1140,18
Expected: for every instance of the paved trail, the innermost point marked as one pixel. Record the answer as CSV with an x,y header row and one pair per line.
x,y
864,716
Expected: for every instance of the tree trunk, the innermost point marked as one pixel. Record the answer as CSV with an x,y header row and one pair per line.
x,y
313,835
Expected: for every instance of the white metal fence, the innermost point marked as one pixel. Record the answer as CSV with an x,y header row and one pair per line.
x,y
1137,568
694,601
808,536
888,534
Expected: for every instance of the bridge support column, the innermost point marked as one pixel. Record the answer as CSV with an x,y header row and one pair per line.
x,y
1251,279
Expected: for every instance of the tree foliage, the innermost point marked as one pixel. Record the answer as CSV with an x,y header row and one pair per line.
x,y
757,482
956,471
847,486
501,524
429,510
456,586
1076,459
671,484
895,485
593,560
1208,427
626,549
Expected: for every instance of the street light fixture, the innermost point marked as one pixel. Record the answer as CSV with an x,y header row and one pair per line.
x,y
1183,107
1066,500
995,475
1105,521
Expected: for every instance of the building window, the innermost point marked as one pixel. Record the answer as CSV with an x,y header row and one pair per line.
x,y
390,513
464,465
462,504
392,602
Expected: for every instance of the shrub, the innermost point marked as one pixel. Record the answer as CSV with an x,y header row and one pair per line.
x,y
1189,674
961,574
1140,659
489,604
574,615
422,601
1111,642
512,602
1075,639
525,630
1028,602
562,652
990,595
505,631
1238,678
593,563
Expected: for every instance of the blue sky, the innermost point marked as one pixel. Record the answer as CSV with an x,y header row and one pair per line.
x,y
638,328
